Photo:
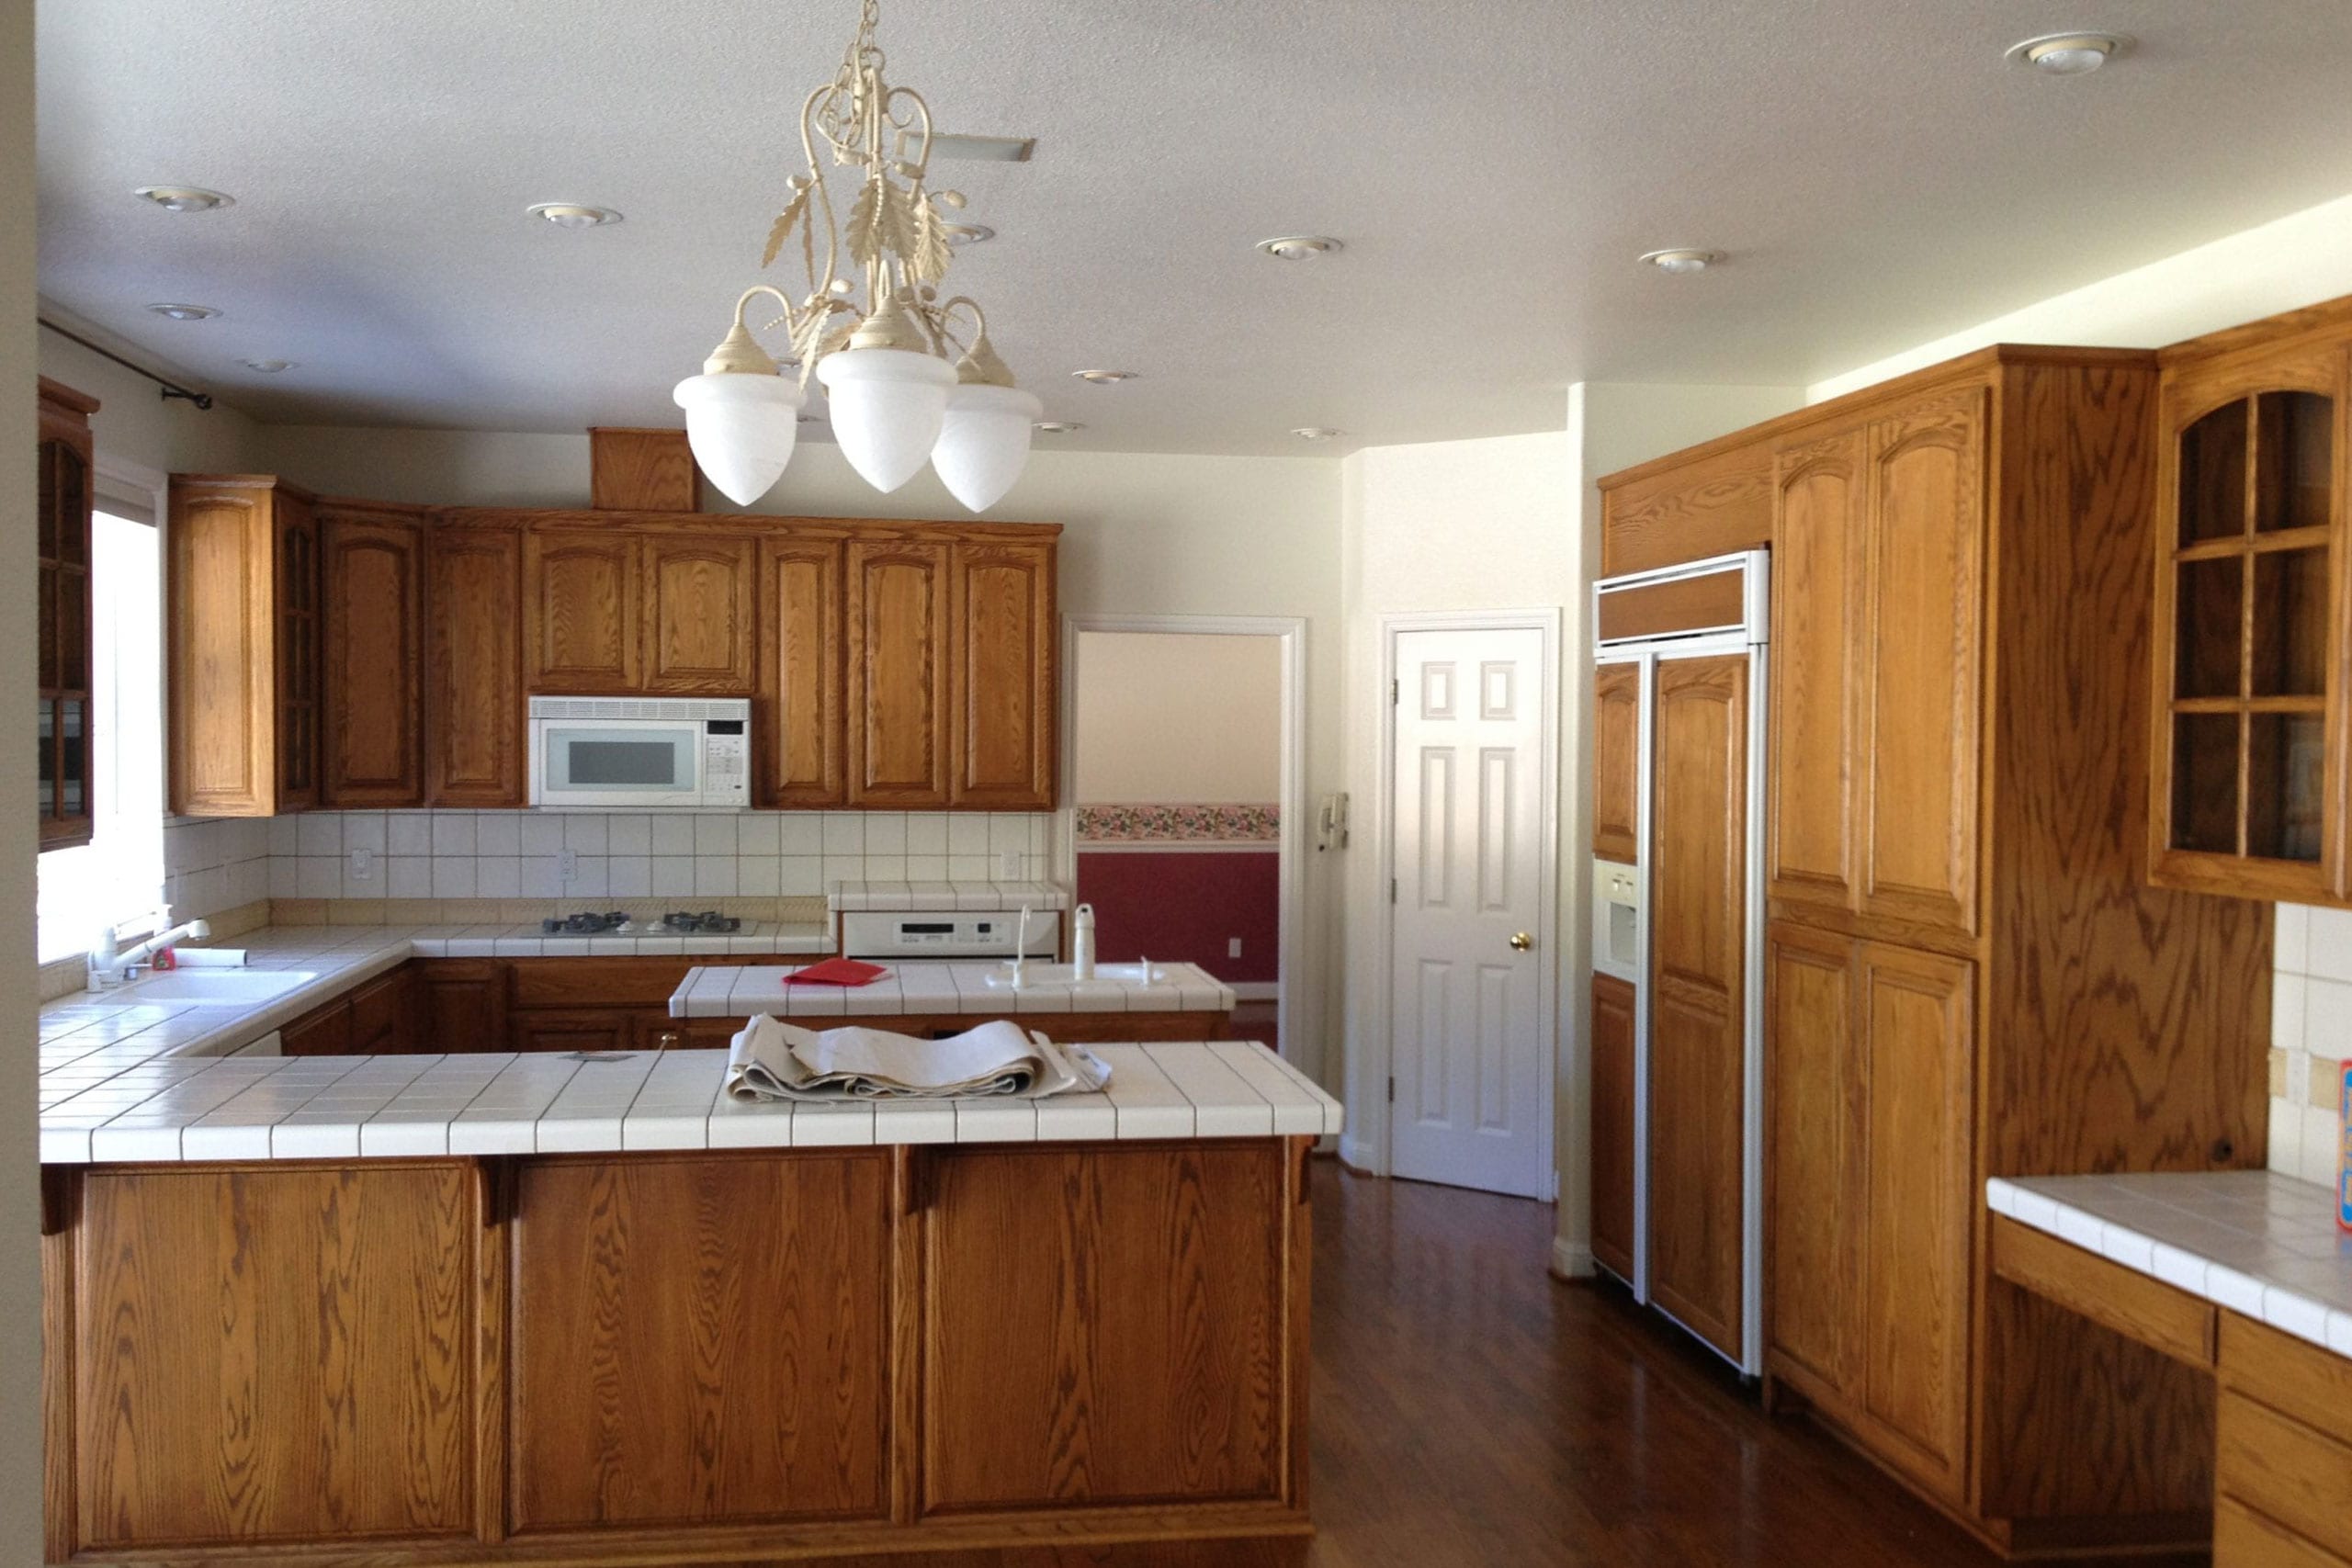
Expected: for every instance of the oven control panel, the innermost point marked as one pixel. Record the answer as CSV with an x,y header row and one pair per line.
x,y
970,933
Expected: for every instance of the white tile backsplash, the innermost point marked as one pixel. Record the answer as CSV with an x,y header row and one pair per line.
x,y
2311,1029
617,857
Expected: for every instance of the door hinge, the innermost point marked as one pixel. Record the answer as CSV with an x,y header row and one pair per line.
x,y
1392,890
1395,692
1392,1091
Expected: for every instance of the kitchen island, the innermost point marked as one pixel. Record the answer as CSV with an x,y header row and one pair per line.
x,y
489,1307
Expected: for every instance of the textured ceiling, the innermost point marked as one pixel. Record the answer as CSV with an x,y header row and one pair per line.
x,y
1879,174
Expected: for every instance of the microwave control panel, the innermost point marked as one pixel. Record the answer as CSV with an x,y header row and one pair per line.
x,y
726,763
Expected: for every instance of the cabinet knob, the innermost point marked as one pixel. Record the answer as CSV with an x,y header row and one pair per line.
x,y
667,1039
1521,941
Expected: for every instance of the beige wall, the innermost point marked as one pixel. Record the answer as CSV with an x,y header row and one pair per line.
x,y
135,422
20,1533
1174,719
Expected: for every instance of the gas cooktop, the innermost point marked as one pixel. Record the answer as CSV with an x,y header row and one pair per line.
x,y
620,921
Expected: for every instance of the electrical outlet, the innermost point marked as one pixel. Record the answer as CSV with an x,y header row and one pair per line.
x,y
566,865
1008,865
1233,947
363,864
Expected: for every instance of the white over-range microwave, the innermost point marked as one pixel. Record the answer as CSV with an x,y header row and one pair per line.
x,y
641,753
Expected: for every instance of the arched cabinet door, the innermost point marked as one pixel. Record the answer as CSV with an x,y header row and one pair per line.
x,y
1820,510
2247,745
582,610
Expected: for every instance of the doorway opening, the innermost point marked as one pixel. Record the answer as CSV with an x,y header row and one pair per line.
x,y
1182,817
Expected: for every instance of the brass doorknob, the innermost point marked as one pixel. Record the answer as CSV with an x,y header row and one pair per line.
x,y
1521,941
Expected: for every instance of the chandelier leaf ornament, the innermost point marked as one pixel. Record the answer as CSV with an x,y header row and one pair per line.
x,y
909,376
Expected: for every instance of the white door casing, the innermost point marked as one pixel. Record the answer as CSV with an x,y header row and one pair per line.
x,y
1468,851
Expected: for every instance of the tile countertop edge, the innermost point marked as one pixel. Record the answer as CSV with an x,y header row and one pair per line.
x,y
2161,1245
353,1109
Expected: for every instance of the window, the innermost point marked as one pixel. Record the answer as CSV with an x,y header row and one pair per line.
x,y
118,875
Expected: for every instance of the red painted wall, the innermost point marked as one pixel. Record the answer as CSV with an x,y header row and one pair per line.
x,y
1185,907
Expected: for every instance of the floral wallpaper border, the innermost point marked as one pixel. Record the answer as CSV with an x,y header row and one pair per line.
x,y
1178,824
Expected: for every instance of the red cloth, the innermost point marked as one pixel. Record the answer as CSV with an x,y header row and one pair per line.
x,y
837,972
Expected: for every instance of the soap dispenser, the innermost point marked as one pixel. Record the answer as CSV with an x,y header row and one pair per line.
x,y
1082,943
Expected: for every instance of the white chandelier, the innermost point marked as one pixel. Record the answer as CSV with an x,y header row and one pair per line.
x,y
896,398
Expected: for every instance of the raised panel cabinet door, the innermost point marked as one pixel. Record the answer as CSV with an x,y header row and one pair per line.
x,y
475,753
462,1005
220,626
65,747
582,610
1818,730
1814,1097
1921,651
300,685
701,1340
1616,762
1003,675
797,705
1139,1350
1917,1032
899,701
323,1031
699,615
371,571
274,1354
1612,1123
1698,891
572,1028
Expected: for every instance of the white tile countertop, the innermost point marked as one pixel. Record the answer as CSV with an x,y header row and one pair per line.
x,y
92,1031
958,895
251,1107
2259,1243
937,986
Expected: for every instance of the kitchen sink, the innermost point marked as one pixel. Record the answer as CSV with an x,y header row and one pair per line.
x,y
218,987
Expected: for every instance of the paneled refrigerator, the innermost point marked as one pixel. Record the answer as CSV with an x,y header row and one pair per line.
x,y
1677,887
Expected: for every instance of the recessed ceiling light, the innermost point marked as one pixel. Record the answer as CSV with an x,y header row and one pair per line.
x,y
1057,426
267,366
186,198
184,312
1683,260
574,214
1316,433
1300,247
967,233
2069,54
1103,377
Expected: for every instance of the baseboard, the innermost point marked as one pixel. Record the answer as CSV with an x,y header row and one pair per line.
x,y
1356,1158
1571,1260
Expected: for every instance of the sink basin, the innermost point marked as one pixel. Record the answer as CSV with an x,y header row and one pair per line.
x,y
218,988
1040,976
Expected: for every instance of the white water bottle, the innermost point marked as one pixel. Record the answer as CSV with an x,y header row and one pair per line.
x,y
1082,943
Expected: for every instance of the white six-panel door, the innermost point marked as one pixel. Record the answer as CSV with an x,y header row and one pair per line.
x,y
1465,966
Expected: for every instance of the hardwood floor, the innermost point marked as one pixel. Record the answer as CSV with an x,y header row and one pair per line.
x,y
1471,1412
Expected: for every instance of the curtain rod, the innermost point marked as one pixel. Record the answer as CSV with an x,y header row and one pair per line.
x,y
171,388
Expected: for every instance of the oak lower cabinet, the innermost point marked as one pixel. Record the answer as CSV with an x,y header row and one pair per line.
x,y
612,1358
475,749
242,597
1966,973
1612,1120
371,571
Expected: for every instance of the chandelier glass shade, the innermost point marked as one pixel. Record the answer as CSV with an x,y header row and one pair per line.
x,y
909,378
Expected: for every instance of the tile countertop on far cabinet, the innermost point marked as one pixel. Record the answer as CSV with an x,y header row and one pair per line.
x,y
942,986
2261,1245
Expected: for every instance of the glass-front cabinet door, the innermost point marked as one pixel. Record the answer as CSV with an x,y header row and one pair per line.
x,y
2249,755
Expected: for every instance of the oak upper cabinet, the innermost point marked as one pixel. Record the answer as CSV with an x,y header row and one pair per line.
x,y
1002,672
1920,650
475,753
242,596
1817,562
1876,643
698,616
371,571
797,696
64,507
2248,738
899,626
584,609
1616,762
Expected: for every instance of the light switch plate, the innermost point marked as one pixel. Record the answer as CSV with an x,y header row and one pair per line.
x,y
1008,865
1233,947
566,865
363,864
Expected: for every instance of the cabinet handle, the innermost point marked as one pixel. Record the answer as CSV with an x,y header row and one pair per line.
x,y
1521,941
666,1041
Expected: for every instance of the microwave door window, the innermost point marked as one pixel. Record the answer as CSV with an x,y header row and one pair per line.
x,y
623,763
